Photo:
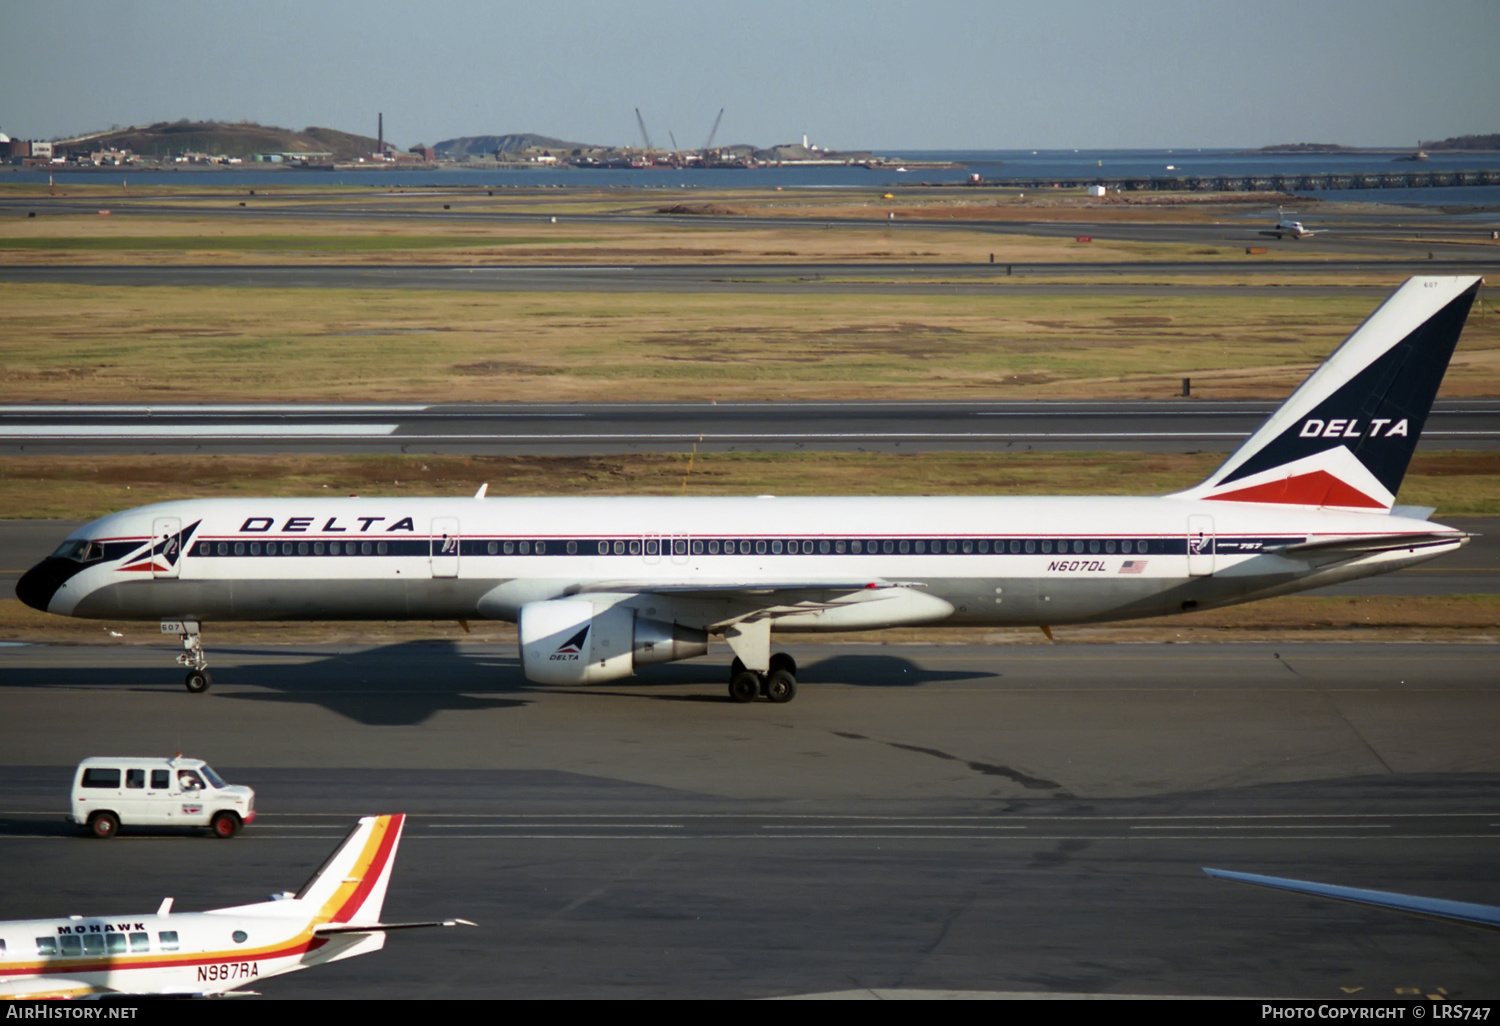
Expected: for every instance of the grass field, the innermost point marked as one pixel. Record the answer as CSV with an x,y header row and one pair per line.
x,y
97,343
84,487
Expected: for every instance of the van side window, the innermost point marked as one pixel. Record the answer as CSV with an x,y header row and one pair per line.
x,y
135,778
97,776
161,780
168,940
46,945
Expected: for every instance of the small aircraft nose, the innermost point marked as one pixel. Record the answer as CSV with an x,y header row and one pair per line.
x,y
37,585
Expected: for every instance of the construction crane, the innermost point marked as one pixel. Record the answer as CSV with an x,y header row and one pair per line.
x,y
642,122
712,132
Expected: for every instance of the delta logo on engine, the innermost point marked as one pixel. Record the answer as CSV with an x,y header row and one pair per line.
x,y
571,651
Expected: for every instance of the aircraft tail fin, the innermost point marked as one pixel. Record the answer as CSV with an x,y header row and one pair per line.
x,y
1345,437
350,886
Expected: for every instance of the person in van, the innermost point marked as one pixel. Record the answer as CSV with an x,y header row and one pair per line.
x,y
187,780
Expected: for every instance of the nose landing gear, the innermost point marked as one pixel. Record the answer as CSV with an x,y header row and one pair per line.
x,y
191,656
779,683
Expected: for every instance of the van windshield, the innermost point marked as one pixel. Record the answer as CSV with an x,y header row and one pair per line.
x,y
213,778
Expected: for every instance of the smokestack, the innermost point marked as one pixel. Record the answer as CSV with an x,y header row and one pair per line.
x,y
380,133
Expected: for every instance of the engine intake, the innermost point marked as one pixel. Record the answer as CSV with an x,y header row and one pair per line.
x,y
569,641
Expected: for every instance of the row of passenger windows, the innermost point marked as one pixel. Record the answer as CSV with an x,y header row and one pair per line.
x,y
161,779
70,945
697,547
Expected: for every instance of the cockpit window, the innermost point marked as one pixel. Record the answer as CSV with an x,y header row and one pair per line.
x,y
79,550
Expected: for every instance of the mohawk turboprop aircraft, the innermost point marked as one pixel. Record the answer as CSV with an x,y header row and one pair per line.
x,y
600,586
336,915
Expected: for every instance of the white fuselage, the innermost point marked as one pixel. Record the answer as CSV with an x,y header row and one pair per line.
x,y
1003,561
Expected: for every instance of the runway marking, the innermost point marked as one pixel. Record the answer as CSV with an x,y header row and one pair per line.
x,y
93,431
1252,826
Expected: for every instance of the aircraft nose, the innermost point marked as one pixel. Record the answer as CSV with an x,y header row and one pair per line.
x,y
37,585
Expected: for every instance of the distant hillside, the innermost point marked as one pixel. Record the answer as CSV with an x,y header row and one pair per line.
x,y
1303,147
487,145
243,139
1466,142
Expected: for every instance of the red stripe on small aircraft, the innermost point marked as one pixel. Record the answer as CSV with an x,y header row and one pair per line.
x,y
377,866
1320,488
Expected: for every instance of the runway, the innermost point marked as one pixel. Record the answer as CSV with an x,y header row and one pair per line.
x,y
1011,818
880,277
605,428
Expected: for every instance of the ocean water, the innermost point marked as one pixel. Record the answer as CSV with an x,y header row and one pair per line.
x,y
990,164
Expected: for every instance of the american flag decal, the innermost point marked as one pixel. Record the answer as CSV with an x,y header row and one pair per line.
x,y
1132,566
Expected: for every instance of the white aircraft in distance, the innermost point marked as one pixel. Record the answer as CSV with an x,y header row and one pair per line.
x,y
600,586
1286,226
336,915
1467,913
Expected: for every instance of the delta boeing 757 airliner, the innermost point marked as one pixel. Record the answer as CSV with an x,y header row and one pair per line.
x,y
600,586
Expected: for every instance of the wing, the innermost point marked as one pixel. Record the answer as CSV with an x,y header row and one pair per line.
x,y
329,928
1485,916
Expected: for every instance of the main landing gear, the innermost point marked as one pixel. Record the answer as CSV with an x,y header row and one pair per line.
x,y
778,683
191,656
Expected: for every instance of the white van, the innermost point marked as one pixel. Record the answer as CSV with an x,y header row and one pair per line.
x,y
109,793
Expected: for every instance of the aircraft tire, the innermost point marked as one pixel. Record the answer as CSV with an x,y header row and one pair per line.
x,y
225,825
744,687
781,687
104,825
197,681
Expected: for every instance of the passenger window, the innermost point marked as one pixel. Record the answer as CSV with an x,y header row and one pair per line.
x,y
905,546
1109,546
317,548
838,546
984,546
203,548
381,548
619,548
541,548
713,548
1046,546
760,548
823,547
1078,547
1015,546
70,945
140,942
93,944
302,548
744,548
1030,545
697,548
223,548
135,778
286,548
168,939
776,547
1140,546
333,548
603,548
679,547
255,548
1125,546
968,545
239,548
952,545
572,548
364,548
99,777
161,780
1093,546
115,942
46,945
855,546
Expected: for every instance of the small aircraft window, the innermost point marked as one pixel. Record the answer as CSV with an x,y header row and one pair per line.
x,y
46,945
317,548
381,548
223,548
1030,545
1046,546
70,945
239,548
838,546
760,548
203,548
93,944
135,778
1078,547
697,548
526,548
679,547
286,548
140,942
364,548
115,942
951,545
96,776
161,780
855,546
905,545
168,939
744,548
541,548
572,548
651,547
1125,546
968,545
775,547
240,936
1140,546
984,546
823,547
713,548
255,548
302,548
1109,546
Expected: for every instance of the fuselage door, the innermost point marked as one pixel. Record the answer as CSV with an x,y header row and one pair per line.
x,y
166,546
680,545
651,547
1200,545
443,547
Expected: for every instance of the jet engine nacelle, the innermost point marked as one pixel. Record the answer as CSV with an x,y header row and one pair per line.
x,y
569,641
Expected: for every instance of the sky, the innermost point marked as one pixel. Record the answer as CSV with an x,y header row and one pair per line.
x,y
873,74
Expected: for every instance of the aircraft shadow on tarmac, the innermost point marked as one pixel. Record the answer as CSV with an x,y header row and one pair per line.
x,y
408,683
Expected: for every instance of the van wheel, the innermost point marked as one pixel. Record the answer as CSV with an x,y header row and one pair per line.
x,y
104,824
198,681
226,824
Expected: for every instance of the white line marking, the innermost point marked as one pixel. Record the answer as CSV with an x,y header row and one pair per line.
x,y
194,430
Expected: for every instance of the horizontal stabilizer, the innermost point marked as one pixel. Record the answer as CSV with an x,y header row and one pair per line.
x,y
1363,544
328,928
1486,916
